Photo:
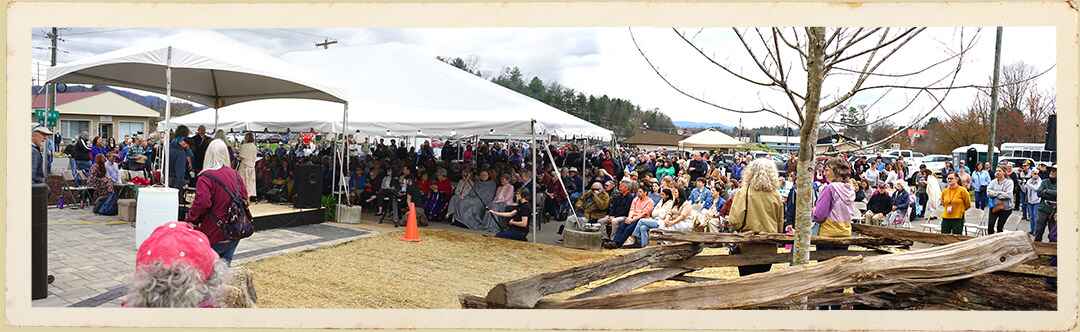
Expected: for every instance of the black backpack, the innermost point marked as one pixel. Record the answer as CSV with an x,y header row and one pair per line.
x,y
237,223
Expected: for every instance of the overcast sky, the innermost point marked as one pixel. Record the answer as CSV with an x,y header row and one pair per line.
x,y
605,61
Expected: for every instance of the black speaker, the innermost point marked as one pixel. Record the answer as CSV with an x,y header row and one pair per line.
x,y
1051,133
307,186
39,242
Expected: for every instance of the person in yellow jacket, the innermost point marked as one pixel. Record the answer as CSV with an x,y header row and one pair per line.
x,y
594,202
757,207
955,201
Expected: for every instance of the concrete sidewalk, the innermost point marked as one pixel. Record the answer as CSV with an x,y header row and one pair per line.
x,y
92,256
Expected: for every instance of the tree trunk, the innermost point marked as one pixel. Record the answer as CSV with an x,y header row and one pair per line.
x,y
630,283
927,266
708,261
720,238
807,140
1041,248
524,293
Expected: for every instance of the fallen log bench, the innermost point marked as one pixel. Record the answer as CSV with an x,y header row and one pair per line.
x,y
737,238
930,266
1041,248
525,293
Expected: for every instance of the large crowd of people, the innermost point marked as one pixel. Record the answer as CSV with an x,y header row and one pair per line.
x,y
622,192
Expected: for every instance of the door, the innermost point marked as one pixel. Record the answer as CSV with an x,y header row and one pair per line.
x,y
105,130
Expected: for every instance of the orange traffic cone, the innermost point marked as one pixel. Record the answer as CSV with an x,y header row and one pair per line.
x,y
412,233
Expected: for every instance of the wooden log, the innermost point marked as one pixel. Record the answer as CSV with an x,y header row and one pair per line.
x,y
707,261
1041,248
632,282
692,279
474,302
1033,270
717,238
990,291
932,265
524,293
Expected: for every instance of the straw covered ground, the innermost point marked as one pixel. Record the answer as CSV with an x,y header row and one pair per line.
x,y
383,272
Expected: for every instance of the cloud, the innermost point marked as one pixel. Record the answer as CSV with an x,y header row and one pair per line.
x,y
604,61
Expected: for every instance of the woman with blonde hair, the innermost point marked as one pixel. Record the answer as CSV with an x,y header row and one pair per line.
x,y
757,207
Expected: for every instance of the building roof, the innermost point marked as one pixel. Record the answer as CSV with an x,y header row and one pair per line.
x,y
63,98
778,139
95,103
652,137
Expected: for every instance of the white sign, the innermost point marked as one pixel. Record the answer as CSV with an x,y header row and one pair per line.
x,y
106,118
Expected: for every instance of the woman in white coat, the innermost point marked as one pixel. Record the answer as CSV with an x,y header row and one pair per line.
x,y
248,154
933,192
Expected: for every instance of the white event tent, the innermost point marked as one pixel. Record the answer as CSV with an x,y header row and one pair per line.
x,y
401,90
203,67
710,139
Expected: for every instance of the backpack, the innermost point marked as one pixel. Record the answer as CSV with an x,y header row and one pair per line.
x,y
107,206
237,223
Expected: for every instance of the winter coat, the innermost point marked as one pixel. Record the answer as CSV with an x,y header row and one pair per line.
x,y
834,209
757,211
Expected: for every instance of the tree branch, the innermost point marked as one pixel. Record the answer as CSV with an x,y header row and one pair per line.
x,y
854,39
677,89
875,48
753,56
713,61
862,78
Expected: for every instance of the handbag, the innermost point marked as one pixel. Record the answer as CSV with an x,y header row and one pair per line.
x,y
999,206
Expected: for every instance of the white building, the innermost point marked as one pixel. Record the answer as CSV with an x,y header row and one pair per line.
x,y
783,144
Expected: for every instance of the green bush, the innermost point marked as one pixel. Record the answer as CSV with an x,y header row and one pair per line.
x,y
329,204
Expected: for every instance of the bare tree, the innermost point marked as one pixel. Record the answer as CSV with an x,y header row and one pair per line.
x,y
822,55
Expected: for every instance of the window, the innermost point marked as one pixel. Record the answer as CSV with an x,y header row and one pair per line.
x,y
70,129
130,128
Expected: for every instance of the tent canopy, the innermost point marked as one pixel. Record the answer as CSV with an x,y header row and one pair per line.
x,y
207,68
401,89
710,139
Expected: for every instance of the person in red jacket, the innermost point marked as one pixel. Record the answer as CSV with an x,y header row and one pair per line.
x,y
212,198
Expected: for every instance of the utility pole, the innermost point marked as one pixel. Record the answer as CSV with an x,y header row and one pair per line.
x,y
993,111
994,102
53,36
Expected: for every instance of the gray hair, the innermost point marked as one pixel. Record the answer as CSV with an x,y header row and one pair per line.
x,y
219,134
178,286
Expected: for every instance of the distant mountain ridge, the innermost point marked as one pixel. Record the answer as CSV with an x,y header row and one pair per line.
x,y
693,124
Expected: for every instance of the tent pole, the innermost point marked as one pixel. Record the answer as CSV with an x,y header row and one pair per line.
x,y
532,200
345,139
168,113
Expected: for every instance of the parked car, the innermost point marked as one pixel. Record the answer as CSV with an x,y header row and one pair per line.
x,y
936,162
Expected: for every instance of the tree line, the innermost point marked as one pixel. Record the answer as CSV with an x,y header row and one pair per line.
x,y
618,115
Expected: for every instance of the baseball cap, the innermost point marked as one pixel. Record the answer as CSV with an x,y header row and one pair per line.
x,y
573,169
177,242
42,129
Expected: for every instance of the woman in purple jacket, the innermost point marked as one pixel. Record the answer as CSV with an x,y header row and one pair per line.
x,y
212,198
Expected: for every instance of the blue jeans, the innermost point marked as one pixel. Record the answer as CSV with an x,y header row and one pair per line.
x,y
815,229
83,165
1032,211
623,232
225,250
512,234
980,199
641,232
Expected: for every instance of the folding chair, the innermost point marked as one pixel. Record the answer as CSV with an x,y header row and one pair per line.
x,y
78,192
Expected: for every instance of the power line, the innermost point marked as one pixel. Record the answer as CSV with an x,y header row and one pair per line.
x,y
99,31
